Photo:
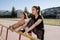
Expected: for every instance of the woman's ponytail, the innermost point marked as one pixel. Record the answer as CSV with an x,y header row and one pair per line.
x,y
39,11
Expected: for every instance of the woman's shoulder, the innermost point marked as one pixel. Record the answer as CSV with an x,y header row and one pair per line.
x,y
27,19
40,16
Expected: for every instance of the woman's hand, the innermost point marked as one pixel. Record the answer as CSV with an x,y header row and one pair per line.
x,y
11,27
25,32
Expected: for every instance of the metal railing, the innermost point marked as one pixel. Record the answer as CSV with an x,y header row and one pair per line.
x,y
20,33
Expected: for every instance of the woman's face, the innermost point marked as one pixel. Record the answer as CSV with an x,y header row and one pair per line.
x,y
34,11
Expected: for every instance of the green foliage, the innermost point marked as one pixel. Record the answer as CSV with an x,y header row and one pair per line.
x,y
13,13
5,16
26,11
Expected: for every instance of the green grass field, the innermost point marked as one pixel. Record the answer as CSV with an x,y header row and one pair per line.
x,y
52,22
46,21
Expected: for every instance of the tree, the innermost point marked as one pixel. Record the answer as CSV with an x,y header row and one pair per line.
x,y
26,11
13,13
55,12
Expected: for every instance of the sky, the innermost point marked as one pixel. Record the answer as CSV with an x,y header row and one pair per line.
x,y
21,4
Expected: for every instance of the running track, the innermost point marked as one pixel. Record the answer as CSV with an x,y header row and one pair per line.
x,y
51,32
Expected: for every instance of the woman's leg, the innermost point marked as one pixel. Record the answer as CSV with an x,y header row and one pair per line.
x,y
21,27
42,35
30,23
30,32
39,33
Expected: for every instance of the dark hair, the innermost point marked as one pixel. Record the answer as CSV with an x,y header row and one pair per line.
x,y
24,15
37,8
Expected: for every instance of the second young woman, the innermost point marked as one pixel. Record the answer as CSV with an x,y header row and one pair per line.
x,y
21,24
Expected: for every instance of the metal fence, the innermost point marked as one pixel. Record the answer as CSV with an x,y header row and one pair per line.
x,y
20,33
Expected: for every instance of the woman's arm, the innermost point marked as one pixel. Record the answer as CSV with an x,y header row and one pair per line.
x,y
34,25
23,26
20,23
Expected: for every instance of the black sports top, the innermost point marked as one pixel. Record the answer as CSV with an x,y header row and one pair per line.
x,y
41,25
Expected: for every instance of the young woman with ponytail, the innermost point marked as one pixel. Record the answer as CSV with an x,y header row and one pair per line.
x,y
36,23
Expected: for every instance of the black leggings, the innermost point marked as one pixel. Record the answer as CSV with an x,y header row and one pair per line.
x,y
30,23
39,33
